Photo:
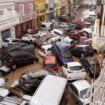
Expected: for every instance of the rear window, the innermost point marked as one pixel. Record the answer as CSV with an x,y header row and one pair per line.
x,y
66,54
76,68
15,40
50,65
42,25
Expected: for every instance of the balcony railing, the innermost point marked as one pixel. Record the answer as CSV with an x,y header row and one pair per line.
x,y
27,17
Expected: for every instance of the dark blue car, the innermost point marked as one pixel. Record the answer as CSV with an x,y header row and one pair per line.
x,y
62,53
82,50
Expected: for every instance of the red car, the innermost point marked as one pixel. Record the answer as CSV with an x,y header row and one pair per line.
x,y
42,39
50,63
75,34
80,23
87,41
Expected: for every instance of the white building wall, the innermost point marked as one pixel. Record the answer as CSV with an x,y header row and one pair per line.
x,y
9,18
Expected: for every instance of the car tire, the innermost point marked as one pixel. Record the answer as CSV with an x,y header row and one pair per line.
x,y
13,67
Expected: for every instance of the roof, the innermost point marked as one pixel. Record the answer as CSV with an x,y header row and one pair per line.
x,y
50,59
82,45
46,46
61,46
70,64
50,91
81,84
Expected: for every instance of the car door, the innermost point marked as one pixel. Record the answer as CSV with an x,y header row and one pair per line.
x,y
20,59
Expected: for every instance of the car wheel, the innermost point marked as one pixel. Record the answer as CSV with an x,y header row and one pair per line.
x,y
13,66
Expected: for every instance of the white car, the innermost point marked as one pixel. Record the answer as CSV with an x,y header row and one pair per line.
x,y
74,71
87,31
78,90
58,32
46,25
10,41
67,41
29,38
54,39
45,50
63,25
43,32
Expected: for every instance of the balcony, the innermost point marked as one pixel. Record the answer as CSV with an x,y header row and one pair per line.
x,y
28,17
51,9
41,12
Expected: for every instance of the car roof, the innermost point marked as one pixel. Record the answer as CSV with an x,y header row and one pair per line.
x,y
47,93
81,84
82,45
61,46
55,37
50,59
46,46
71,64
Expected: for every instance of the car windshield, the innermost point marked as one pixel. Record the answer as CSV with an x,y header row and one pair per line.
x,y
50,65
83,93
76,68
42,49
66,54
6,40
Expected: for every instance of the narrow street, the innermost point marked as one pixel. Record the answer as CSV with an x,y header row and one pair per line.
x,y
14,75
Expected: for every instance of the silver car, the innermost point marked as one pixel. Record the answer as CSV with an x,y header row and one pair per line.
x,y
78,90
33,78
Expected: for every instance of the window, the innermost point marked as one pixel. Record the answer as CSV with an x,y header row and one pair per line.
x,y
37,6
31,7
46,5
21,10
41,5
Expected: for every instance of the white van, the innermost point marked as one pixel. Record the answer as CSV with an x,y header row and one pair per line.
x,y
51,91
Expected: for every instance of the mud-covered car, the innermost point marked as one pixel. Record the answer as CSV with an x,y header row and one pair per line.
x,y
33,78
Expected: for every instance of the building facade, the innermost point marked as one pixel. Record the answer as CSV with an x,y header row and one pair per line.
x,y
49,4
57,7
9,18
99,27
63,6
41,11
27,15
